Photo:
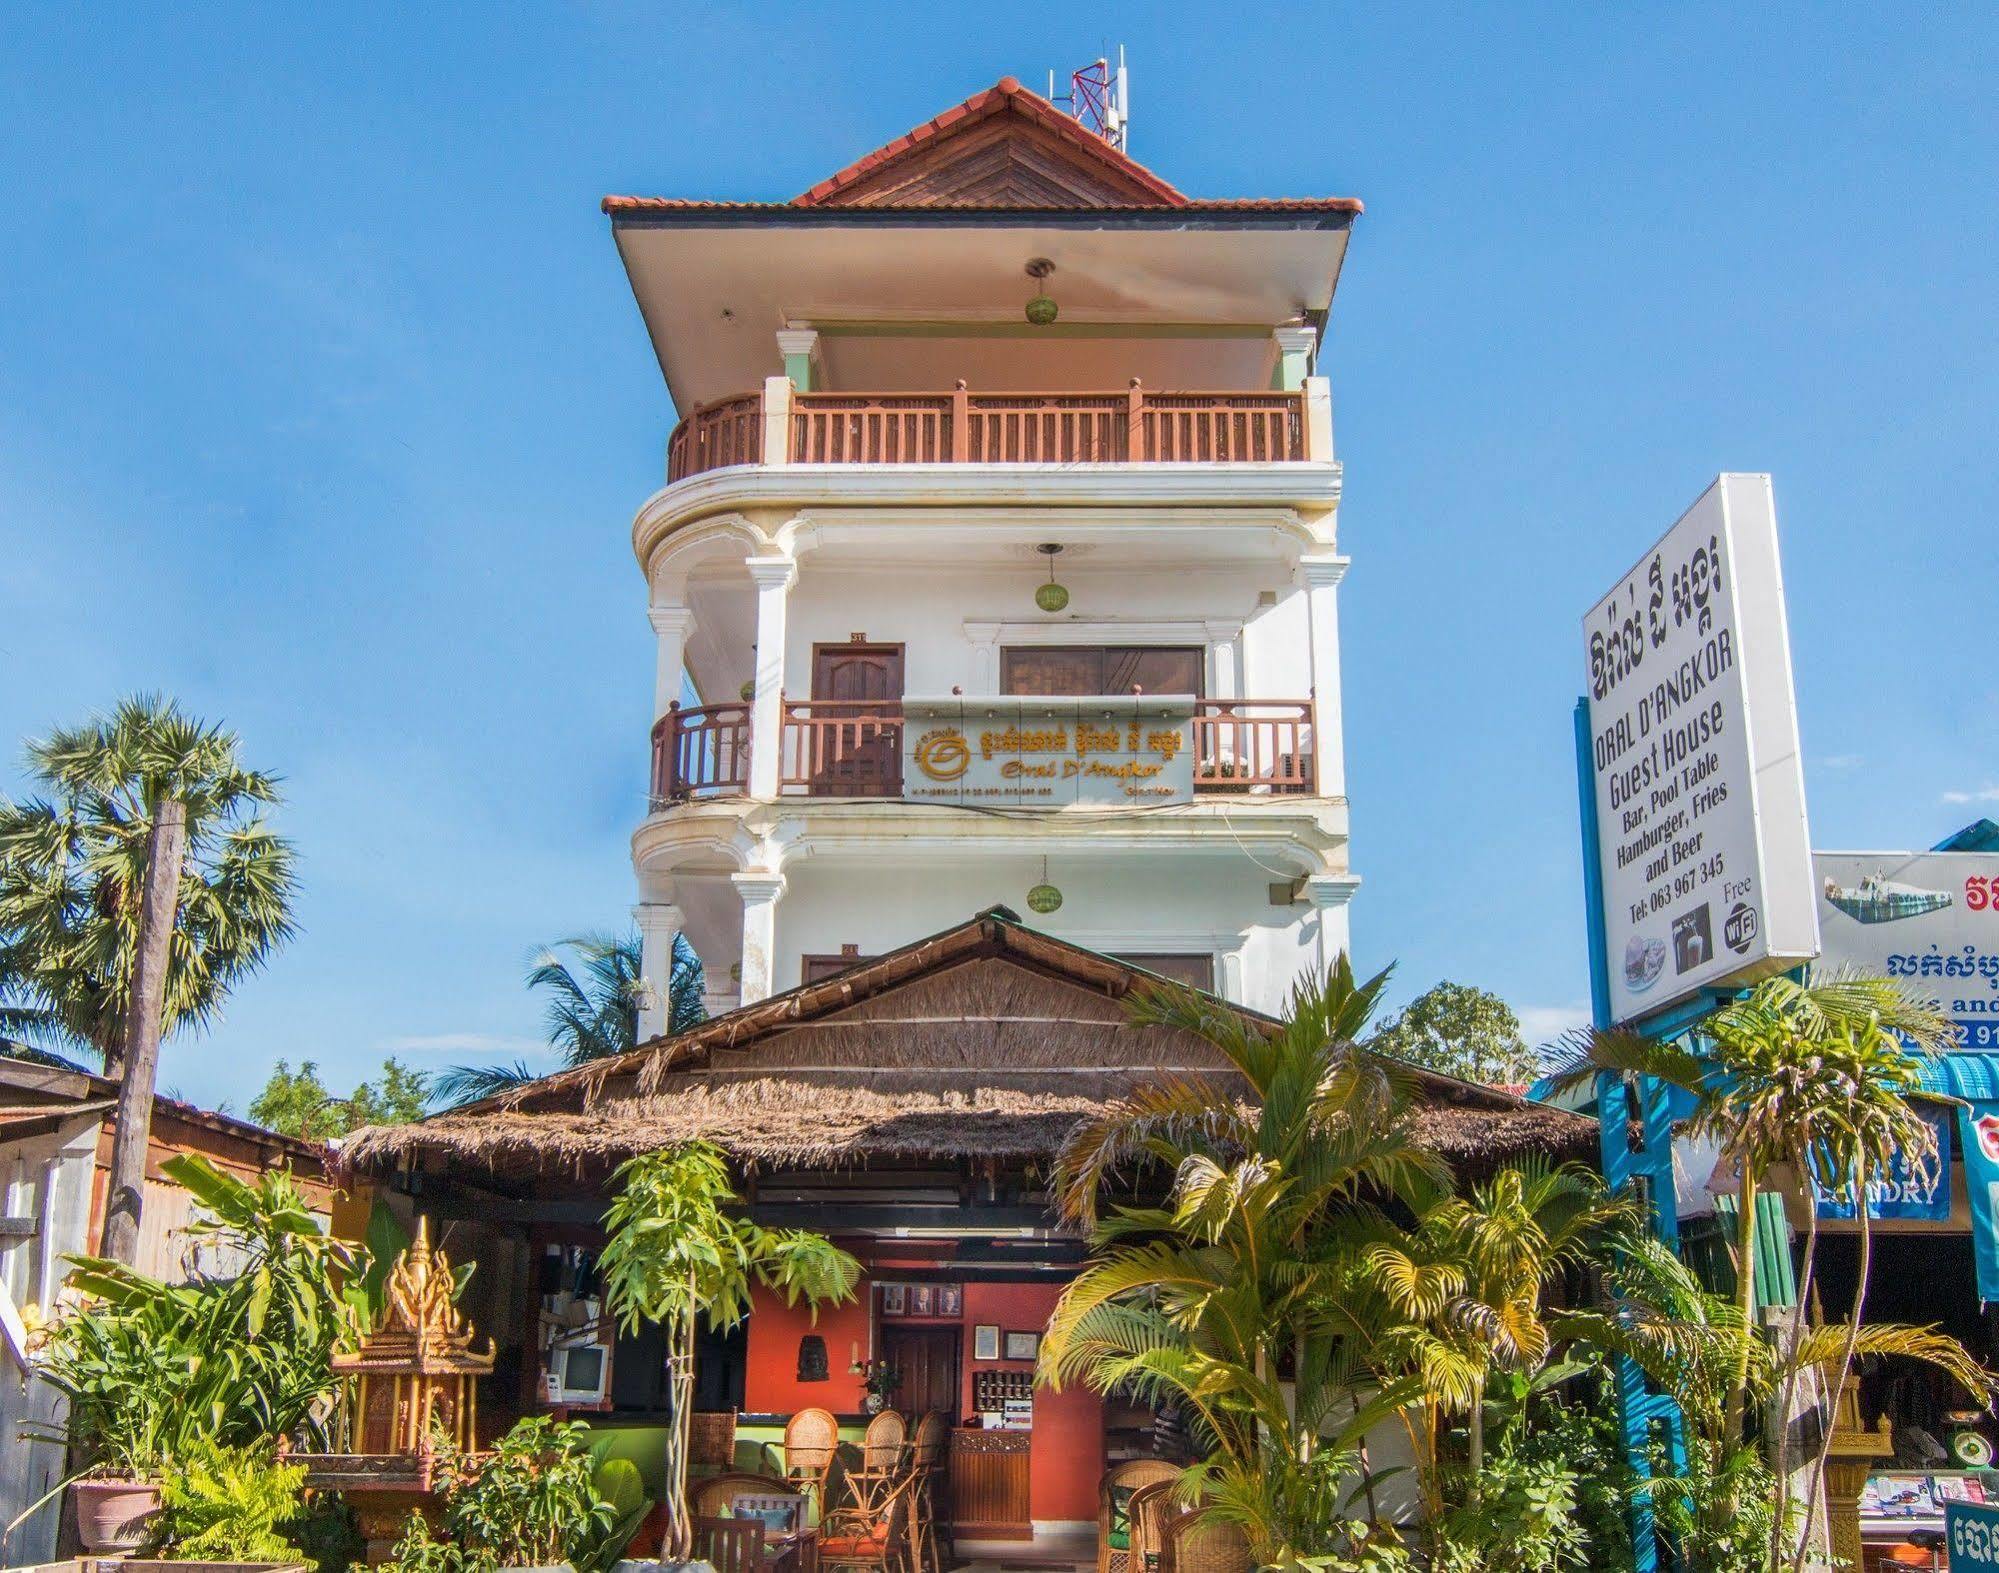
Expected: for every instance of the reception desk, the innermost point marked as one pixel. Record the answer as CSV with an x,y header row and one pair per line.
x,y
989,1485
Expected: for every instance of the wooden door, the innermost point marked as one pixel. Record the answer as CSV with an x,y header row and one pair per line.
x,y
854,734
927,1357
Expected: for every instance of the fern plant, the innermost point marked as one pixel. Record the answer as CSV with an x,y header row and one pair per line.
x,y
231,1505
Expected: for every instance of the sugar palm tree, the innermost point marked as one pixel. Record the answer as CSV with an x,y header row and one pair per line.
x,y
72,873
677,1254
592,1011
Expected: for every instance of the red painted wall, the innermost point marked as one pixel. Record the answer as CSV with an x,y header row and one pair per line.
x,y
1068,1453
770,1382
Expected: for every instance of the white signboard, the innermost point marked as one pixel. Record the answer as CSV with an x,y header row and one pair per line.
x,y
1048,751
1700,798
1928,920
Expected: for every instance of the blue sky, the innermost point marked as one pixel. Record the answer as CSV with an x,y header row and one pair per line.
x,y
324,405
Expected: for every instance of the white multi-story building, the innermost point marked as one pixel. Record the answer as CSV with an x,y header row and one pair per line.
x,y
881,443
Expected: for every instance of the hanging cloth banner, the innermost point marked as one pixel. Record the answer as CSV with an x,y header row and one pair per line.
x,y
1919,1190
1981,1179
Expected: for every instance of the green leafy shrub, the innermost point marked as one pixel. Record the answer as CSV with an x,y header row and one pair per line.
x,y
620,1488
231,1505
417,1550
529,1499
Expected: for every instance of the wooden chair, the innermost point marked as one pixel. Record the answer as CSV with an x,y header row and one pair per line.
x,y
732,1545
713,1495
1114,1493
927,1534
811,1439
711,1441
1147,1511
1193,1543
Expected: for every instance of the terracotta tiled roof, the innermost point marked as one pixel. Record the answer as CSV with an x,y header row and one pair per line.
x,y
1149,192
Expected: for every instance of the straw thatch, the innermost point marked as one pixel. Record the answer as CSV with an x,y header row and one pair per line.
x,y
989,1041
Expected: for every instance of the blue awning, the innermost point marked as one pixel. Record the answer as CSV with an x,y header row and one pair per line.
x,y
1970,1074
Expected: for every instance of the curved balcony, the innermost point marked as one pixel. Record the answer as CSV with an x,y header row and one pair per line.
x,y
960,427
853,748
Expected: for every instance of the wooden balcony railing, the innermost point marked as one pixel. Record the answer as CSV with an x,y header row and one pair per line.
x,y
961,427
841,748
704,752
729,431
853,748
1253,745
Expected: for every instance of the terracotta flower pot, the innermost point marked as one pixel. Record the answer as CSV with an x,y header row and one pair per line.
x,y
114,1515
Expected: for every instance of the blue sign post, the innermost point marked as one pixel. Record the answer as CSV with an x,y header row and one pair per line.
x,y
1971,1537
1650,1421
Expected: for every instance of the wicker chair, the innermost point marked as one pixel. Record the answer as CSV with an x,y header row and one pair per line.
x,y
853,1537
711,1441
1147,1511
928,1535
1114,1494
811,1440
1194,1544
713,1495
883,1459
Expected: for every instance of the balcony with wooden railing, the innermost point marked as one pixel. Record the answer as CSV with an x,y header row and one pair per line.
x,y
853,749
1135,426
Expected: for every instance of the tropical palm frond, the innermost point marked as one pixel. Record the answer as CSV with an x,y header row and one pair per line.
x,y
463,1084
1576,1059
1823,1347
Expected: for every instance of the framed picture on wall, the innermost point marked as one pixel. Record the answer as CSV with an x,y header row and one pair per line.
x,y
950,1300
892,1300
1022,1346
920,1300
985,1341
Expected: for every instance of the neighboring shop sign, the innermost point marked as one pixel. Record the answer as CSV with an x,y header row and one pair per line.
x,y
1928,920
1971,1535
1911,1190
1980,1128
1048,751
1700,796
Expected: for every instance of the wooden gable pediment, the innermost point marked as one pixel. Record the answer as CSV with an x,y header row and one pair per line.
x,y
1003,148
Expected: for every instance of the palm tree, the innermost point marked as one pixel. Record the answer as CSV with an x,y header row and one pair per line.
x,y
1813,1075
589,1017
72,874
675,1255
1252,1262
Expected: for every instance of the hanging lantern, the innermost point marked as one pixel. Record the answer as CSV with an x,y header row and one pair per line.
x,y
1043,897
1041,310
1050,597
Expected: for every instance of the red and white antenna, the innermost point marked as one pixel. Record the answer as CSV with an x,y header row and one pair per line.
x,y
1100,99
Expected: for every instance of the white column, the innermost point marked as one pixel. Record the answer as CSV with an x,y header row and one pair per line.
x,y
1319,420
984,640
773,577
799,347
672,624
777,420
1328,895
1225,639
759,891
1322,575
658,922
1294,356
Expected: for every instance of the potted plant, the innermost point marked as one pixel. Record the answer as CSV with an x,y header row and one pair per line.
x,y
232,1505
121,1376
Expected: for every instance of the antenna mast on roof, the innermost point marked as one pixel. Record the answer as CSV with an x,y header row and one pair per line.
x,y
1099,98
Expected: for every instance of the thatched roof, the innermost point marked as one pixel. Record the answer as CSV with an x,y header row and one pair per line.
x,y
989,1040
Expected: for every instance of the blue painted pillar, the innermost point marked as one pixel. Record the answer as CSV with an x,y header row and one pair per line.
x,y
1647,1419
